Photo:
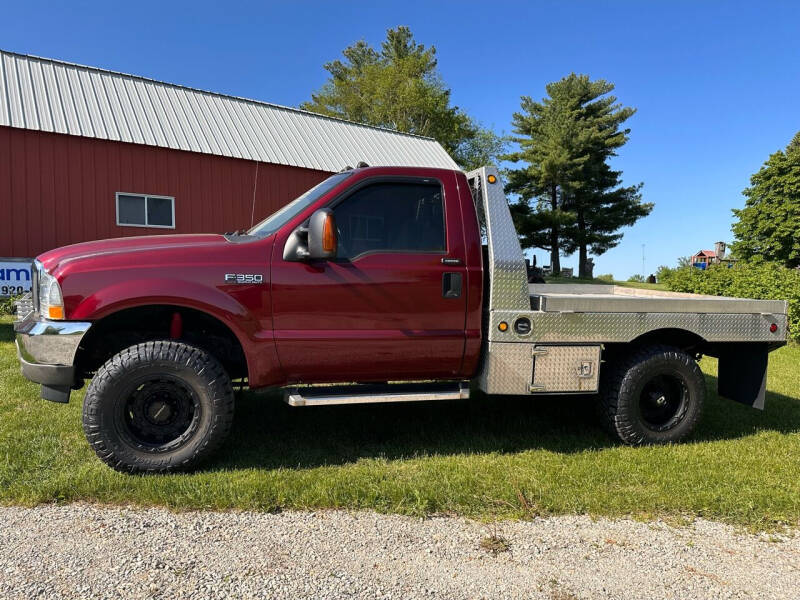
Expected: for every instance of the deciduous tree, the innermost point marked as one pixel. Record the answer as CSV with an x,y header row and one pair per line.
x,y
399,87
769,224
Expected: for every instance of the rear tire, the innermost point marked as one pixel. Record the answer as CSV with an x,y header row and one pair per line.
x,y
653,395
158,407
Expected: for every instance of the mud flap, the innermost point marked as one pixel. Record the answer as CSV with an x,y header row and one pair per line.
x,y
743,373
56,393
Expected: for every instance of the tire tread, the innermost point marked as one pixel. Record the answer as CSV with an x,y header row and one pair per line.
x,y
118,366
616,405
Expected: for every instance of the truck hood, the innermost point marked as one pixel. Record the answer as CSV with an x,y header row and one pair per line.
x,y
141,248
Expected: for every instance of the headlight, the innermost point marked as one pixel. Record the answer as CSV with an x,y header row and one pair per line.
x,y
51,302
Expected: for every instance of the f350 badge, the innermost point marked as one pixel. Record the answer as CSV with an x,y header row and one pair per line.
x,y
243,278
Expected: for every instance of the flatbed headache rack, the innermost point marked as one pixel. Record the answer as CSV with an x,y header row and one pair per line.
x,y
548,338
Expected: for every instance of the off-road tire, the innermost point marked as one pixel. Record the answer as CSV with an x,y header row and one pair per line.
x,y
625,381
197,373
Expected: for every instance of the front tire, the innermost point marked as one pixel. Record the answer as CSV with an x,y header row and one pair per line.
x,y
158,407
654,395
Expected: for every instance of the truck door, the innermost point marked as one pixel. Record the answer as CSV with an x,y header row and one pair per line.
x,y
392,304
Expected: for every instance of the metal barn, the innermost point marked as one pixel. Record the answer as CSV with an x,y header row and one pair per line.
x,y
87,154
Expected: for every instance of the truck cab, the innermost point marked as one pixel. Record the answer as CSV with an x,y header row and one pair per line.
x,y
380,284
401,293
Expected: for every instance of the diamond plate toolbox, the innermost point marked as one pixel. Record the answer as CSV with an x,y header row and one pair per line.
x,y
565,369
507,369
522,369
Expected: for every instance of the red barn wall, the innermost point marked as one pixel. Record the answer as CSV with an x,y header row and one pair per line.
x,y
58,189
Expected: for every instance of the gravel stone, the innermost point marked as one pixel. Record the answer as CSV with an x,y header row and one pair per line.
x,y
86,551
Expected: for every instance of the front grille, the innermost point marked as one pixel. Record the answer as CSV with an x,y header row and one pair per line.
x,y
24,306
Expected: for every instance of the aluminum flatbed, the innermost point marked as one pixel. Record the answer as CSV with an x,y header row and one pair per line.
x,y
618,299
556,338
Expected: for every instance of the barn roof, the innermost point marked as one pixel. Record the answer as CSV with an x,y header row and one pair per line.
x,y
50,95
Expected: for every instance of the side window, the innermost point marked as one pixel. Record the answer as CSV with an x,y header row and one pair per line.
x,y
391,217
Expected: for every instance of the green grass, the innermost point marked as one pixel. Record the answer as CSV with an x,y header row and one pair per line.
x,y
630,284
642,285
484,458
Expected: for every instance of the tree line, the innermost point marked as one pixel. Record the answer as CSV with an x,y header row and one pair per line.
x,y
568,198
766,242
768,227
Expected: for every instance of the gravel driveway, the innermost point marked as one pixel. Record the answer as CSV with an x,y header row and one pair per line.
x,y
82,551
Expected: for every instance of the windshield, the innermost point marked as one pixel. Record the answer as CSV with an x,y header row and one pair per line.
x,y
278,219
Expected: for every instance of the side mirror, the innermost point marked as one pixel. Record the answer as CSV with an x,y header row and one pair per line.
x,y
322,237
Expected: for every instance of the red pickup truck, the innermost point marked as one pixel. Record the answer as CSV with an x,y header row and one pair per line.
x,y
397,284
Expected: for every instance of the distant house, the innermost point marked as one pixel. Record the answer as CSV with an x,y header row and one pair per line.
x,y
705,258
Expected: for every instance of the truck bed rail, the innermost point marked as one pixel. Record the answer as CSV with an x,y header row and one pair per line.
x,y
618,299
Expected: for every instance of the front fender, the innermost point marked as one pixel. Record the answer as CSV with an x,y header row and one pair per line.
x,y
229,305
141,292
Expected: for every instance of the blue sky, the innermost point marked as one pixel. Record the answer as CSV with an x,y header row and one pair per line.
x,y
716,84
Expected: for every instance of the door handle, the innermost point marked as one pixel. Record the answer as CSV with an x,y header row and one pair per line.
x,y
451,285
451,261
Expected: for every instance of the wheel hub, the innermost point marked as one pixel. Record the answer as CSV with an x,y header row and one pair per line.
x,y
663,402
660,400
159,412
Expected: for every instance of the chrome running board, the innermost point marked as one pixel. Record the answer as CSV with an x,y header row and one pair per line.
x,y
374,394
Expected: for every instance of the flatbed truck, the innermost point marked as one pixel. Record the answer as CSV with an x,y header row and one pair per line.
x,y
381,284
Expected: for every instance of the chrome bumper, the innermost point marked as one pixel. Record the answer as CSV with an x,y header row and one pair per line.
x,y
46,351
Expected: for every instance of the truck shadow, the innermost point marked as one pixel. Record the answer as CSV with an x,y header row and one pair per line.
x,y
6,332
268,434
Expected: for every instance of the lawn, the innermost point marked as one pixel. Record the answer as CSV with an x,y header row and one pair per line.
x,y
484,458
631,284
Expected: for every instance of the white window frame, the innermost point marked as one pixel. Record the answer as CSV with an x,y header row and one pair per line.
x,y
145,196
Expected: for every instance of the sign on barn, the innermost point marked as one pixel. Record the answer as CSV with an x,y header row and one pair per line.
x,y
15,276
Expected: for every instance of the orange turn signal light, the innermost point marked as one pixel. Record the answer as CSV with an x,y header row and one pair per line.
x,y
503,326
328,235
491,179
55,312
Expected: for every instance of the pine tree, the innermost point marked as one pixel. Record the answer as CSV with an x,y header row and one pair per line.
x,y
567,140
602,207
546,134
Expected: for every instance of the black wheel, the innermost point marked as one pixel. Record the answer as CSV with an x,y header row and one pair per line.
x,y
652,396
158,407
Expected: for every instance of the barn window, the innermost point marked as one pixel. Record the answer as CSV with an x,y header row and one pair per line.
x,y
141,210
